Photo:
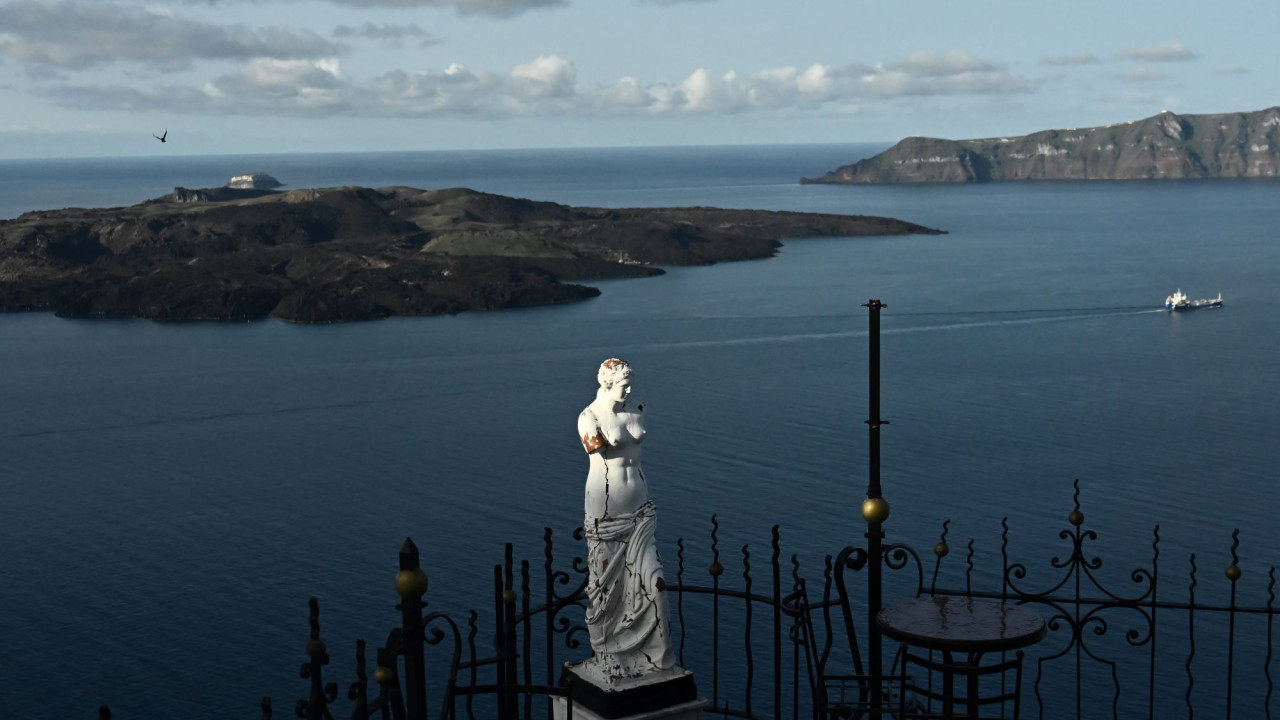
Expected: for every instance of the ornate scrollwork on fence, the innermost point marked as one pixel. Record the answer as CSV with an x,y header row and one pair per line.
x,y
1083,611
899,556
558,602
1078,601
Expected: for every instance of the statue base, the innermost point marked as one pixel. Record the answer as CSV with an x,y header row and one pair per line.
x,y
663,695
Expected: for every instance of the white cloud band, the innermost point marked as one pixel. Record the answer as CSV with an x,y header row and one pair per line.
x,y
1169,52
547,85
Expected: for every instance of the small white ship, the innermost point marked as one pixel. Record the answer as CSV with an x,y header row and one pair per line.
x,y
1179,302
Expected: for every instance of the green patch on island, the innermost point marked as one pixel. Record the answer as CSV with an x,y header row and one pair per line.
x,y
500,242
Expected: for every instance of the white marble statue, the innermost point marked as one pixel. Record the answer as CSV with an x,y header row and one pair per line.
x,y
627,617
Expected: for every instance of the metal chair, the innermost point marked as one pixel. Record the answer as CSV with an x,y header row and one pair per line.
x,y
836,695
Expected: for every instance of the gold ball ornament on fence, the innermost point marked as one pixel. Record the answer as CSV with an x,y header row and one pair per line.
x,y
382,675
716,569
1076,518
875,510
509,597
1233,573
941,549
411,583
315,648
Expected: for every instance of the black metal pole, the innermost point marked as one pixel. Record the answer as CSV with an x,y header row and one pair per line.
x,y
411,585
874,510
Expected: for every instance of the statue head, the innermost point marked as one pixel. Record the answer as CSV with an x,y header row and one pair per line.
x,y
613,371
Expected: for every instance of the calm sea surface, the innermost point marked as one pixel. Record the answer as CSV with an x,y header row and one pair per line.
x,y
173,493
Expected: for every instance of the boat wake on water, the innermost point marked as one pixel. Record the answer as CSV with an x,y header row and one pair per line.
x,y
803,337
1108,310
1122,309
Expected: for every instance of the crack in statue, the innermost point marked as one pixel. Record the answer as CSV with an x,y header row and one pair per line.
x,y
627,616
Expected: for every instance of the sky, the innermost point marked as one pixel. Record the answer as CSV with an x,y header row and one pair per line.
x,y
93,78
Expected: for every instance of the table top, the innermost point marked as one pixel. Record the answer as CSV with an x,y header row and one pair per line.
x,y
958,623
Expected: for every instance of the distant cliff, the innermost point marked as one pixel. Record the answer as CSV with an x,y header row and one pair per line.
x,y
1167,146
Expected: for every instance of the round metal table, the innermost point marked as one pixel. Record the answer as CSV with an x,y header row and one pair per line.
x,y
961,625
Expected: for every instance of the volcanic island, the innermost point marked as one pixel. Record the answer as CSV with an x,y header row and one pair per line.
x,y
354,253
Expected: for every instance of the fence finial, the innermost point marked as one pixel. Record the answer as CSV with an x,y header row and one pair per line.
x,y
1233,570
1075,517
941,549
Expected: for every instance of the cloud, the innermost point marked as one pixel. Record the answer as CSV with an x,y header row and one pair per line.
x,y
1169,52
1233,70
938,64
545,77
1073,59
259,87
920,74
77,35
309,88
954,73
390,35
547,86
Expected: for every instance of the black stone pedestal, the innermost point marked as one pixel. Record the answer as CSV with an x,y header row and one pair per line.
x,y
664,695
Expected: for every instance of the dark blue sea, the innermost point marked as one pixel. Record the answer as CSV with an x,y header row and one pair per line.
x,y
172,494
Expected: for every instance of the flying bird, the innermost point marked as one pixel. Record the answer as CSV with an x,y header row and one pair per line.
x,y
161,138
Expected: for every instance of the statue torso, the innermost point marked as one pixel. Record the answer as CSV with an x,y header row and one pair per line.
x,y
615,480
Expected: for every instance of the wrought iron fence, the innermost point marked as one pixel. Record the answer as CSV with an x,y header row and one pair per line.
x,y
783,646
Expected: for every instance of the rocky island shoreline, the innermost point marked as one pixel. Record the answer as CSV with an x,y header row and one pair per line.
x,y
355,253
1167,146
